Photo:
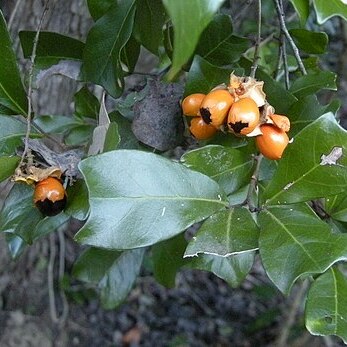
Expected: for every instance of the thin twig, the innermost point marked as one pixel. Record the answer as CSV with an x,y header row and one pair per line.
x,y
253,185
289,322
61,275
50,279
281,17
30,81
285,62
13,14
257,44
241,12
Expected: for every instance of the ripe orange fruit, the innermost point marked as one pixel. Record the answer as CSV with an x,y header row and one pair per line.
x,y
191,104
200,130
273,141
215,106
50,196
243,116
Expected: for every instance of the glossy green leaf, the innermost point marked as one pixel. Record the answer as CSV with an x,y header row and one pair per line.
x,y
12,93
295,242
311,42
11,133
336,207
189,19
56,124
167,259
302,7
27,224
305,111
232,269
48,225
203,76
130,55
120,278
149,21
105,41
52,45
16,245
127,137
138,199
93,264
327,9
311,168
112,138
17,204
78,135
218,45
312,83
86,103
326,305
7,166
230,168
225,233
77,202
97,8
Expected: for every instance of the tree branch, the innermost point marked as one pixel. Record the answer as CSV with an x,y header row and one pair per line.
x,y
284,30
257,44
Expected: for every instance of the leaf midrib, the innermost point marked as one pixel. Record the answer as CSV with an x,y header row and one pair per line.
x,y
178,198
11,99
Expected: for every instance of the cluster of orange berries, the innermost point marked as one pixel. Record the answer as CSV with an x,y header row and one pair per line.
x,y
241,109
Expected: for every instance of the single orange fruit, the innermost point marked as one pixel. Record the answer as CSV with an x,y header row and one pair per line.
x,y
273,141
200,130
191,104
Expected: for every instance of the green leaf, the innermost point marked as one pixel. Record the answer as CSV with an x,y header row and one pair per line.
x,y
130,55
26,226
295,242
8,165
167,259
11,133
149,21
51,45
138,199
225,233
309,41
232,269
48,225
327,9
305,111
336,207
230,168
326,305
16,245
302,7
203,76
105,41
97,8
86,103
189,19
12,93
80,134
127,137
93,264
56,124
312,83
17,204
311,168
120,278
218,45
112,139
77,202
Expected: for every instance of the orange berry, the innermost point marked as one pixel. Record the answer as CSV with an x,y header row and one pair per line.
x,y
273,141
215,106
243,116
191,104
200,130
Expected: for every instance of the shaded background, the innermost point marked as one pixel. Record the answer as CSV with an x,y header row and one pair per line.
x,y
201,310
